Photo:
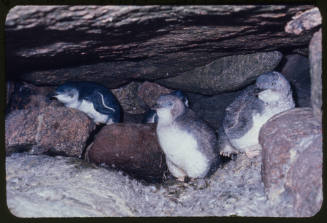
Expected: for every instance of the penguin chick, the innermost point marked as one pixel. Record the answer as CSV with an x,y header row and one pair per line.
x,y
188,142
244,117
93,99
151,115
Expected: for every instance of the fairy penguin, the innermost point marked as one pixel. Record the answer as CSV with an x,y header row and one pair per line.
x,y
93,99
151,115
244,117
189,144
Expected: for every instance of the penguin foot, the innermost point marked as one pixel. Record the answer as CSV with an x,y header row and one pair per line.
x,y
181,178
227,154
228,151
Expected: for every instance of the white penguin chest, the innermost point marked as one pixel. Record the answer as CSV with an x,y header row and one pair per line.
x,y
178,145
251,138
88,108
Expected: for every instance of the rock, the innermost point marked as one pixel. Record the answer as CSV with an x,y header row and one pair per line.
x,y
137,97
211,108
292,160
113,45
133,118
315,57
297,71
26,96
10,87
149,92
132,148
50,129
127,97
303,21
225,74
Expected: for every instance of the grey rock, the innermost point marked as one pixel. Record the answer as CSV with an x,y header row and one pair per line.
x,y
225,74
297,71
303,21
211,108
315,57
292,160
114,44
50,129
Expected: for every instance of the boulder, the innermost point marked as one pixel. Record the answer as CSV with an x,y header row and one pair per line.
x,y
225,74
130,147
112,45
211,108
21,95
315,57
292,160
296,69
303,21
149,92
50,129
128,99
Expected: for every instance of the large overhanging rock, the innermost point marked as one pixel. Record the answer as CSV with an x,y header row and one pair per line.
x,y
225,74
114,44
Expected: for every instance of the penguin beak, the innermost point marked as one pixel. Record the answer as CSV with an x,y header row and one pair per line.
x,y
257,91
52,95
156,106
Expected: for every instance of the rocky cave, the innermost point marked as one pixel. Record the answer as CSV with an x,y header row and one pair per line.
x,y
60,164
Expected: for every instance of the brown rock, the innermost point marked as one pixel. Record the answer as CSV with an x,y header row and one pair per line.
x,y
23,95
132,148
315,57
49,129
127,97
292,160
149,92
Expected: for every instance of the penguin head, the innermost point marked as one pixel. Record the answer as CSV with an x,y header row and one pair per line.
x,y
181,96
272,80
273,85
168,108
66,93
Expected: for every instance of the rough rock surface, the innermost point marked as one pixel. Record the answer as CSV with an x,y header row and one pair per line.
x,y
43,186
133,148
225,74
127,97
114,44
50,129
292,160
315,57
26,96
211,108
302,21
149,92
297,71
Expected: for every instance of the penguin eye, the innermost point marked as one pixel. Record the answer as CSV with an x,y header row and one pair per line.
x,y
70,94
